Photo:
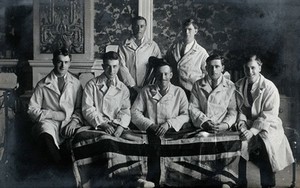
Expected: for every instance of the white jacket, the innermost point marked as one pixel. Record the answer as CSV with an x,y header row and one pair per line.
x,y
189,68
134,60
151,108
47,98
101,105
218,105
265,120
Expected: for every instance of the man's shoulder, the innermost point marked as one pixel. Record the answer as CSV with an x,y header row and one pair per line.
x,y
268,84
94,80
152,42
43,81
240,82
73,77
199,48
149,90
123,86
176,88
228,82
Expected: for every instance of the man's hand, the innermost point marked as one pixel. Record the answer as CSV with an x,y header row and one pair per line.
x,y
118,131
246,134
70,129
109,129
56,115
152,128
209,126
162,129
241,125
221,127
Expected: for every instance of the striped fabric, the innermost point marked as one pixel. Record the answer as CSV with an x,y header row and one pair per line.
x,y
187,158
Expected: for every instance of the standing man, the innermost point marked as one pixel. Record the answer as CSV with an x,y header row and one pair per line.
x,y
105,100
187,58
134,55
55,106
212,104
161,106
258,121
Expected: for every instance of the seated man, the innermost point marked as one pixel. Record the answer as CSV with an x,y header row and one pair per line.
x,y
161,106
55,106
212,104
258,121
105,100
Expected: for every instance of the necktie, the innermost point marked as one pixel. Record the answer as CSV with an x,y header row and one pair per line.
x,y
214,84
249,95
163,92
109,83
60,83
138,42
182,50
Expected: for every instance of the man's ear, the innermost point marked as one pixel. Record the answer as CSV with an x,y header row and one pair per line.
x,y
196,31
223,67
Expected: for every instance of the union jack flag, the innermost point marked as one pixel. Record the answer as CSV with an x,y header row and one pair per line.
x,y
182,159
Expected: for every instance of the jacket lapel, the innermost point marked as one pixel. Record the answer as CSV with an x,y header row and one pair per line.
x,y
51,83
169,95
257,96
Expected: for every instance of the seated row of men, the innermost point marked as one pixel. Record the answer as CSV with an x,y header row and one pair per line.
x,y
215,104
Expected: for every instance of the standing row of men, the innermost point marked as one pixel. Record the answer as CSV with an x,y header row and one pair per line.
x,y
214,100
186,57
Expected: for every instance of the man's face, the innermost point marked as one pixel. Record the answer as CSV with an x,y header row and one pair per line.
x,y
111,68
189,33
139,29
252,70
214,69
164,75
61,65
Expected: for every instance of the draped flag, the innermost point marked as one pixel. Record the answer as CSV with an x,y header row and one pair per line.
x,y
186,158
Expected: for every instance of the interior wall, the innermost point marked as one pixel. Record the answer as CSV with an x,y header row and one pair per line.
x,y
112,22
234,28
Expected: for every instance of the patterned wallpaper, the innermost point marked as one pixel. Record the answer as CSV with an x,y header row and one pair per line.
x,y
112,22
230,29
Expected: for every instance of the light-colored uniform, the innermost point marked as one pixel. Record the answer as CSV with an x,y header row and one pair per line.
x,y
151,107
265,121
134,60
47,98
218,105
103,104
189,68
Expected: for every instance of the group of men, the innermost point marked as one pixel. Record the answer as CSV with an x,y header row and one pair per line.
x,y
189,87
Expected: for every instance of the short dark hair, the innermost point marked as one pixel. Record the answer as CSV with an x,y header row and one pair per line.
x,y
61,51
135,19
215,57
156,63
253,57
188,22
111,55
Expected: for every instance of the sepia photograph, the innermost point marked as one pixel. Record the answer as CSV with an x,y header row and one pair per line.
x,y
149,93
